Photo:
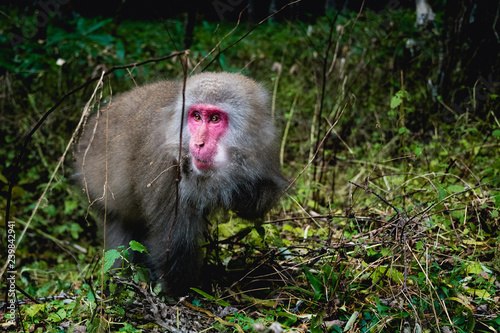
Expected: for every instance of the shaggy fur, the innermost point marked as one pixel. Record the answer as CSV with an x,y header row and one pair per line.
x,y
137,157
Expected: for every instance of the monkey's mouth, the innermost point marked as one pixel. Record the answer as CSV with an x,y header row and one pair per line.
x,y
202,164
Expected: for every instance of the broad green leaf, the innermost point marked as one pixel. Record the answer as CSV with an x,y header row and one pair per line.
x,y
417,151
109,259
473,268
102,39
51,210
136,246
75,230
403,130
70,206
316,322
395,102
91,297
204,294
315,282
482,293
392,273
32,310
441,193
398,98
455,188
58,316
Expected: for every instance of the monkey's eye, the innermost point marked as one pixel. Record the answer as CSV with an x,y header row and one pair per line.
x,y
215,118
196,116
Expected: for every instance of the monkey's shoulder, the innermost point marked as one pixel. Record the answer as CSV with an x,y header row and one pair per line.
x,y
161,93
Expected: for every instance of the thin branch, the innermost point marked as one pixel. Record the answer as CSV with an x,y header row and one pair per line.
x,y
178,174
369,190
249,32
317,150
27,139
59,163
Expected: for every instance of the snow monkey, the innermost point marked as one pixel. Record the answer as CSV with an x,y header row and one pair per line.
x,y
229,161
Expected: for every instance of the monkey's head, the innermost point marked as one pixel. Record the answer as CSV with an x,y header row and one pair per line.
x,y
226,113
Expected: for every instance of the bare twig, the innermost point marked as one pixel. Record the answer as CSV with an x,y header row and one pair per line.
x,y
178,175
22,150
52,176
248,33
317,150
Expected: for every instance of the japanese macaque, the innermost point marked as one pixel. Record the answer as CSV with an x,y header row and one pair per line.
x,y
229,162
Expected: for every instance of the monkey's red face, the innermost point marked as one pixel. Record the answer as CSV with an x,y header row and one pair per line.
x,y
207,124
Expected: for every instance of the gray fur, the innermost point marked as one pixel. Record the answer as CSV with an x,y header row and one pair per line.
x,y
142,149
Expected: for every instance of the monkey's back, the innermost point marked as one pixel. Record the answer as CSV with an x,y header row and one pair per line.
x,y
121,146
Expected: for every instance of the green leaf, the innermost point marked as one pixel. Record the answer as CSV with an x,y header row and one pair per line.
x,y
141,274
316,322
86,27
32,310
53,318
109,259
105,40
222,61
210,297
403,130
455,188
222,302
382,309
202,293
75,230
129,328
417,151
441,193
393,274
58,316
482,293
136,246
51,210
157,288
315,282
497,200
473,268
398,98
70,206
91,297
302,290
396,101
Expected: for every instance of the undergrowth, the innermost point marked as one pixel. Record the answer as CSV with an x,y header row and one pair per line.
x,y
391,224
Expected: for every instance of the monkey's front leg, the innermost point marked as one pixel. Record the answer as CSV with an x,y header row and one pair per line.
x,y
175,256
